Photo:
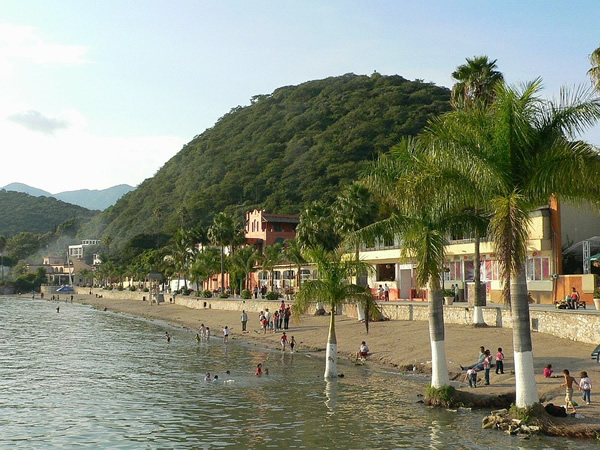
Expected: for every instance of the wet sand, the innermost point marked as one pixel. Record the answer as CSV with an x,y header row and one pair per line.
x,y
398,344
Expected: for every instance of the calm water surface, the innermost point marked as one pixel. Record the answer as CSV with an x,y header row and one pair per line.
x,y
89,378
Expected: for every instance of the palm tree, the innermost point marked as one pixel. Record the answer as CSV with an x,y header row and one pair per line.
x,y
272,255
334,289
243,263
475,82
293,253
221,233
520,153
204,265
475,87
594,72
316,228
180,251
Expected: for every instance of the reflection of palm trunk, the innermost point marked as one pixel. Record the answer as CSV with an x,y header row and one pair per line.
x,y
525,378
477,303
439,368
331,352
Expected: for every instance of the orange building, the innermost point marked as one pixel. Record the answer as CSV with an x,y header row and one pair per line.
x,y
264,229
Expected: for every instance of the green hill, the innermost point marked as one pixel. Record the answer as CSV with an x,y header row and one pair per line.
x,y
25,213
286,149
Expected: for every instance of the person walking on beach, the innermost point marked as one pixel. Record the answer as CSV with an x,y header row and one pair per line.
x,y
207,333
244,320
225,334
585,386
499,361
569,390
283,341
286,318
202,331
292,344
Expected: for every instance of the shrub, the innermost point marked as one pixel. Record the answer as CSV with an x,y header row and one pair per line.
x,y
443,396
119,288
596,293
223,295
523,414
246,294
272,295
207,294
132,288
146,290
447,293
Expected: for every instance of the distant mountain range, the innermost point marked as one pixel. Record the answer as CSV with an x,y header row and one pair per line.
x,y
90,199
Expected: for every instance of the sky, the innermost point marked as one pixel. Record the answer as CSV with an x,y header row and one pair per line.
x,y
99,93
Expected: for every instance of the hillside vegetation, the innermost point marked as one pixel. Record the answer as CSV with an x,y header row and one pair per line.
x,y
298,144
25,213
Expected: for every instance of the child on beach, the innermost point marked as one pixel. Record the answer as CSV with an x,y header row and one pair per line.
x,y
486,366
585,386
292,344
283,341
569,390
207,333
471,377
499,361
225,334
548,371
258,372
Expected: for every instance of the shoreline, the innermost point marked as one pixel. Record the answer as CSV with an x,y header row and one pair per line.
x,y
396,345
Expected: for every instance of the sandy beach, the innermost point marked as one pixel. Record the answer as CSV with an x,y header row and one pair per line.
x,y
399,344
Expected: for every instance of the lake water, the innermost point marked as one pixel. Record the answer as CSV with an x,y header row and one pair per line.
x,y
84,377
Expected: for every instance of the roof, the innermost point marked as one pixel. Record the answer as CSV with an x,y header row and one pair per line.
x,y
282,218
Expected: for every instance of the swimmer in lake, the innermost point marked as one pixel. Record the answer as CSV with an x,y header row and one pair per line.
x,y
167,336
258,370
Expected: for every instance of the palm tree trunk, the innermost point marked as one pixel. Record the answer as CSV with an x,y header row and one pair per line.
x,y
439,367
477,303
331,351
527,394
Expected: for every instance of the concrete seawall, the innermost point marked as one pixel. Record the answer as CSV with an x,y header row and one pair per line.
x,y
576,325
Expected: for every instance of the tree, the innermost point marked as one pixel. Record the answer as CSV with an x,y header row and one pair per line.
x,y
316,228
272,255
107,241
205,264
221,233
2,247
475,87
475,82
334,289
180,251
523,154
242,263
293,253
594,72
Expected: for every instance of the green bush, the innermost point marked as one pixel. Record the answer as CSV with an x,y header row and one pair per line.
x,y
223,295
146,290
108,288
443,394
447,293
246,294
119,288
207,294
272,295
132,288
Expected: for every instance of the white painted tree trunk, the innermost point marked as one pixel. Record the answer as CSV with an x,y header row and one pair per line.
x,y
478,315
439,368
331,350
527,393
360,311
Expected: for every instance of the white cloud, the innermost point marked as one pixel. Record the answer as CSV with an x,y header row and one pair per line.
x,y
23,43
74,158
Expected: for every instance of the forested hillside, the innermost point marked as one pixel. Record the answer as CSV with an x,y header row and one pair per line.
x,y
298,144
20,212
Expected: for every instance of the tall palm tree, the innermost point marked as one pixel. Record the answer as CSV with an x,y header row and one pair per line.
x,y
243,262
204,265
221,233
334,289
272,255
293,253
316,228
474,88
475,82
524,154
594,72
180,251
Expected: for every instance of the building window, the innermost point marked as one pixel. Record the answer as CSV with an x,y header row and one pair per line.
x,y
454,270
386,272
490,270
288,274
277,227
538,269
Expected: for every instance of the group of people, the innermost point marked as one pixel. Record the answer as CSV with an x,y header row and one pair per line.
x,y
571,301
584,385
203,333
383,293
216,379
485,362
279,320
262,290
